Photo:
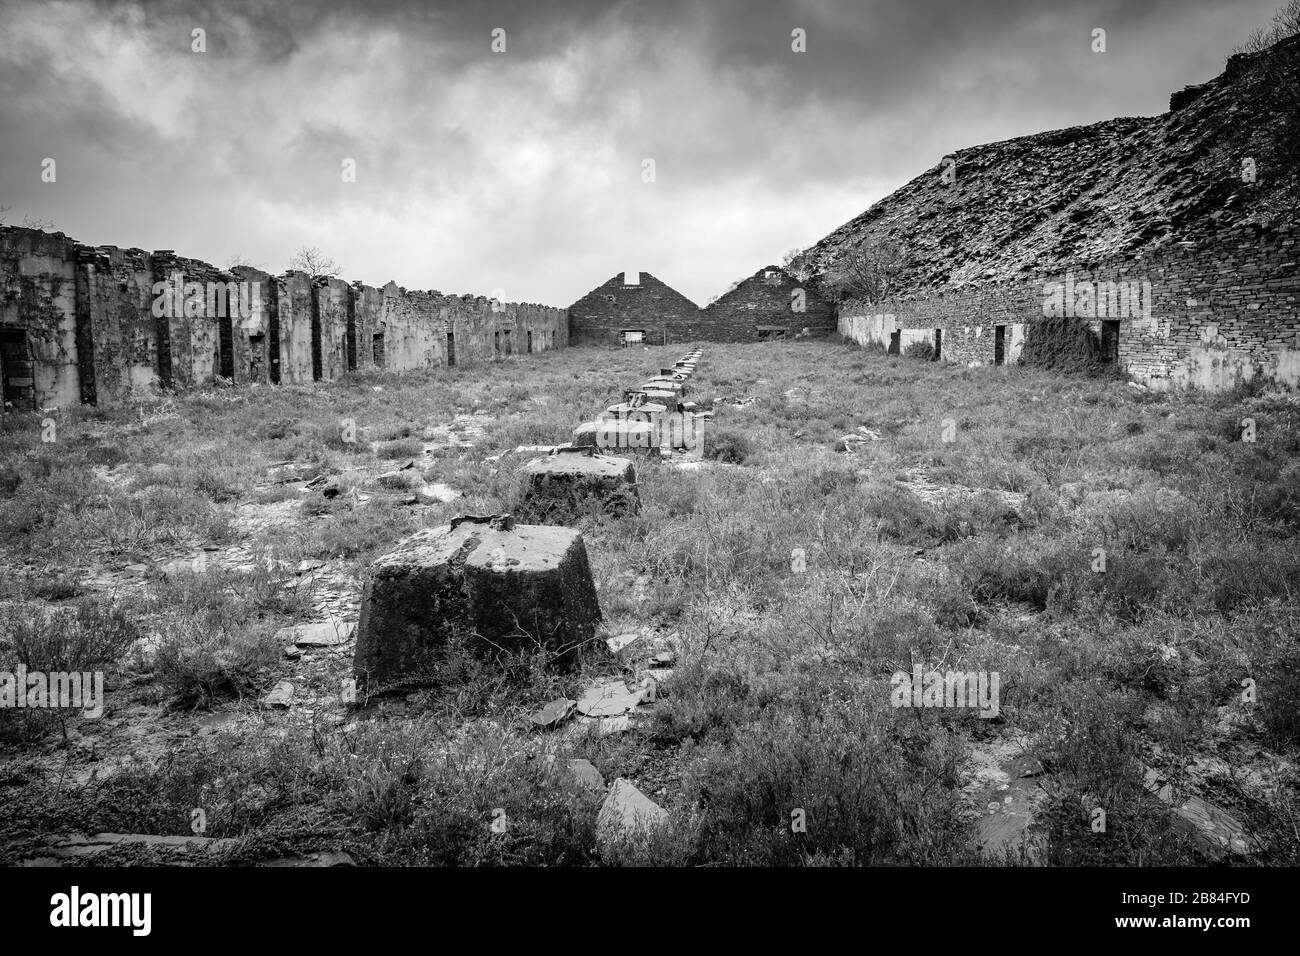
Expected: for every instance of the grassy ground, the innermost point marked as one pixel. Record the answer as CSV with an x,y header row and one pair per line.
x,y
1123,560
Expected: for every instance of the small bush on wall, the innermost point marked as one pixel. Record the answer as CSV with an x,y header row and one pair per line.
x,y
1062,344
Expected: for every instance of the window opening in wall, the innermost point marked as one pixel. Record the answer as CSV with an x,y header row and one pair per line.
x,y
377,349
1110,341
451,348
938,344
633,337
496,342
999,345
530,341
766,332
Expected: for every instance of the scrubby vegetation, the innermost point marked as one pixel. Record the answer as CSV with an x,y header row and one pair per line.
x,y
1126,561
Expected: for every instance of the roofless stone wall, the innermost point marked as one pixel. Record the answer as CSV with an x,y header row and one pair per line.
x,y
770,303
648,305
88,324
1206,314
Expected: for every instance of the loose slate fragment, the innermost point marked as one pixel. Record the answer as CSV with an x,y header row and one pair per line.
x,y
608,699
626,814
606,726
554,712
329,633
1216,831
585,775
280,696
619,641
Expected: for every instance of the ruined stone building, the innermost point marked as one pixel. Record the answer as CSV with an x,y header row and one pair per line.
x,y
88,324
1173,237
769,304
632,308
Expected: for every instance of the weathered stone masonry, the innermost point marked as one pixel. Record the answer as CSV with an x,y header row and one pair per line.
x,y
77,324
769,304
649,306
1220,311
765,305
1198,204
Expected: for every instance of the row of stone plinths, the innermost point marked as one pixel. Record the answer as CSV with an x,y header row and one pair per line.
x,y
593,472
655,419
489,583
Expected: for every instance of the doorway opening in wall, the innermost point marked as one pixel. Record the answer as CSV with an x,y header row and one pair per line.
x,y
317,359
377,349
226,348
1110,341
938,344
999,345
256,356
273,334
350,337
496,342
17,382
530,341
895,342
632,337
451,348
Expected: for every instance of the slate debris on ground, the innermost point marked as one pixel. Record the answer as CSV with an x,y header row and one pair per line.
x,y
626,815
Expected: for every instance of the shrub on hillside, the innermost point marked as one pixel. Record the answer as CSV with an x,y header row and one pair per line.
x,y
724,444
1062,344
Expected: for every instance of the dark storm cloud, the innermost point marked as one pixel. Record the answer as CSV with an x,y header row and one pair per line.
x,y
522,171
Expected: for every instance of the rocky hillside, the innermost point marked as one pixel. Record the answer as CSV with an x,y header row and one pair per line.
x,y
1038,204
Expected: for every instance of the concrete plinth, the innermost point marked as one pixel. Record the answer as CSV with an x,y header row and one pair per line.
x,y
627,410
644,431
665,383
561,486
506,586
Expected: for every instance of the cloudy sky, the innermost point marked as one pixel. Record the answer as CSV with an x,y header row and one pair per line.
x,y
523,171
